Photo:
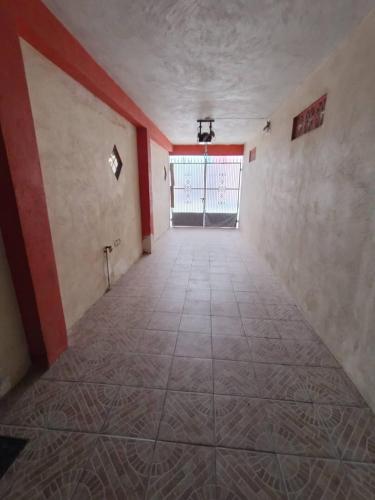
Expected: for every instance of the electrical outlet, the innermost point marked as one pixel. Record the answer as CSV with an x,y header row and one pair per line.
x,y
117,242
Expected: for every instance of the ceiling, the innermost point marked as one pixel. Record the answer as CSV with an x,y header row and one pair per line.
x,y
235,60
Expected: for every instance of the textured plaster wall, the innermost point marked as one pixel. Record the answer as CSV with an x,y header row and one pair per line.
x,y
160,189
309,205
88,208
14,357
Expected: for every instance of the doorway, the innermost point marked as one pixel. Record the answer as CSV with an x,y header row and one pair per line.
x,y
205,190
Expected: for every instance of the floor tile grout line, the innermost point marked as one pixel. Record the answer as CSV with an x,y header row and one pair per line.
x,y
329,403
206,445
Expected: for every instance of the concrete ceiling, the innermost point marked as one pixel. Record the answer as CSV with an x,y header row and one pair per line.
x,y
234,60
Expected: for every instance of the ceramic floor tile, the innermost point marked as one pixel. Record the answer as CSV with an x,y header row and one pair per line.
x,y
231,347
314,478
222,296
297,428
253,310
297,330
145,371
118,468
197,307
49,466
330,385
71,365
83,407
223,325
34,405
263,328
242,423
247,475
280,382
182,471
188,418
309,353
170,305
197,346
157,342
248,297
361,479
269,351
284,311
191,375
234,378
135,412
198,295
224,309
164,321
195,323
352,431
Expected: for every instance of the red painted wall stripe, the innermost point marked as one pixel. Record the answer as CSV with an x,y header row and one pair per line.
x,y
24,218
213,149
144,175
39,27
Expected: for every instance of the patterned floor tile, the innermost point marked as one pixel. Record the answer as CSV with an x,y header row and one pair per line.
x,y
157,342
297,330
223,325
195,323
269,351
71,365
197,346
253,310
221,296
170,305
362,481
191,375
188,418
182,471
35,405
49,466
280,382
83,407
242,423
330,385
298,429
247,475
234,378
145,371
135,412
164,321
309,353
284,311
235,348
314,479
224,309
197,307
118,468
264,328
248,297
352,431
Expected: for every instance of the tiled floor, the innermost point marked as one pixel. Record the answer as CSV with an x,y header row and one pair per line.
x,y
196,377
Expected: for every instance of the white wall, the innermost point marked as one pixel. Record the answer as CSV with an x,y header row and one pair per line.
x,y
88,208
160,189
308,204
14,357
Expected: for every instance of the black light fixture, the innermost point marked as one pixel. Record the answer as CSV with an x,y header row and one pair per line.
x,y
208,136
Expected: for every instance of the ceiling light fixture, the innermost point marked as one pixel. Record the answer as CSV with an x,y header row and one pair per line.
x,y
208,136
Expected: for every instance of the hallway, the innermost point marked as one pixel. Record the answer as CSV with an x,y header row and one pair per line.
x,y
195,377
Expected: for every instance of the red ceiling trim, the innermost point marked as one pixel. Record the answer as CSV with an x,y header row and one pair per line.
x,y
39,27
212,149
